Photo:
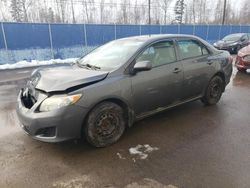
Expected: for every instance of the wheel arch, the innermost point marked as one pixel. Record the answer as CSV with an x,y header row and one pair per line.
x,y
129,113
222,75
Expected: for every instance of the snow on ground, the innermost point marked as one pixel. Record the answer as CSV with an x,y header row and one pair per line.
x,y
120,156
33,63
142,151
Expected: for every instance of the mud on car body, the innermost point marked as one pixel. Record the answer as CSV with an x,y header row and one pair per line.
x,y
120,82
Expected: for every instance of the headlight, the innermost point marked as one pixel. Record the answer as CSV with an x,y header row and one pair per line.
x,y
246,58
215,44
56,102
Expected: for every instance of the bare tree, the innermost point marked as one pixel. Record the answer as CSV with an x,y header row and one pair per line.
x,y
73,11
3,5
155,12
63,4
204,11
193,11
102,7
24,8
58,11
85,10
123,12
164,4
245,12
137,13
218,12
92,11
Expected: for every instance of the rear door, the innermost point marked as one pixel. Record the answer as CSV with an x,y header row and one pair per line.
x,y
160,86
197,67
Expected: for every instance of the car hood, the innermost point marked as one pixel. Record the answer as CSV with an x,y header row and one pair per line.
x,y
225,42
63,78
244,51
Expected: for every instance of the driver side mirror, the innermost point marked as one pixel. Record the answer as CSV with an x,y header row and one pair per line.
x,y
142,66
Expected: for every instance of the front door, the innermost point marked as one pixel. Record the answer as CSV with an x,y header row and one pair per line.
x,y
160,86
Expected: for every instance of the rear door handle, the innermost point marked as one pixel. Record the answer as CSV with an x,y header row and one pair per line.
x,y
176,70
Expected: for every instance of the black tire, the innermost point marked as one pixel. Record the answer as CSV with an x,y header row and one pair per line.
x,y
241,69
105,124
237,49
214,91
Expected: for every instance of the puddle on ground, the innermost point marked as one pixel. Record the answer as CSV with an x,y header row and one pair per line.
x,y
8,121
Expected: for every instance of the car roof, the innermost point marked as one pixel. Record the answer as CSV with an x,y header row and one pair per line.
x,y
150,38
147,39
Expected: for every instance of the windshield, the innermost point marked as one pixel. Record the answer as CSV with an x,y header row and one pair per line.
x,y
111,55
233,37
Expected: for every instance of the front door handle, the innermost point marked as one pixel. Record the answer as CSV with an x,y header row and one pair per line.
x,y
176,70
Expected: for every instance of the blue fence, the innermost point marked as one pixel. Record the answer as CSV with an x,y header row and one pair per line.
x,y
27,41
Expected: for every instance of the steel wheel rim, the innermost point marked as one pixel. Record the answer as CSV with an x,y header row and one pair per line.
x,y
107,125
215,89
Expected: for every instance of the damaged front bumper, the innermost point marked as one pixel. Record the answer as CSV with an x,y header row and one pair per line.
x,y
53,126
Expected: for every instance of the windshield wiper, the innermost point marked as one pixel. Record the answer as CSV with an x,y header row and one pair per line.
x,y
87,65
78,62
91,66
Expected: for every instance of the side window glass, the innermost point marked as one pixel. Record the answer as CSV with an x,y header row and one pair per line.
x,y
147,55
159,54
204,51
190,48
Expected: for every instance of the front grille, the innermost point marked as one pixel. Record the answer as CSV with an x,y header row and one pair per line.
x,y
25,128
46,132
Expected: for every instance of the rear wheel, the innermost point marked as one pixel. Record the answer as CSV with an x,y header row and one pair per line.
x,y
105,124
214,91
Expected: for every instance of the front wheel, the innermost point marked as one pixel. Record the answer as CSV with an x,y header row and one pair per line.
x,y
214,91
105,124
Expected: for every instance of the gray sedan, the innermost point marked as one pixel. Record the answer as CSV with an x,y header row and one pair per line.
x,y
118,83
